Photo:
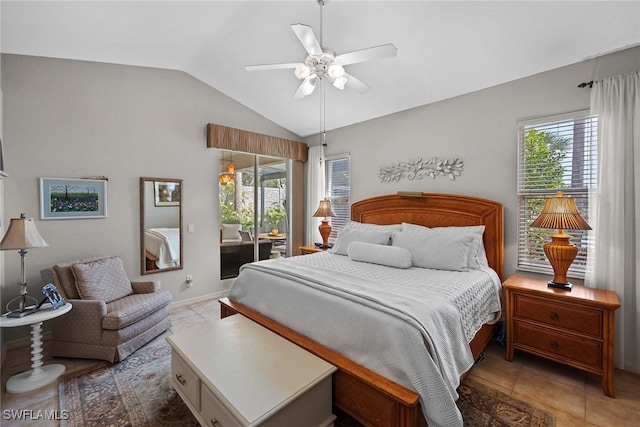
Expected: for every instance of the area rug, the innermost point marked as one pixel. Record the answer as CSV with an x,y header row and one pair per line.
x,y
137,393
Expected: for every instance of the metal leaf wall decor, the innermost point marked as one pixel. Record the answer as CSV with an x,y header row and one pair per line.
x,y
419,169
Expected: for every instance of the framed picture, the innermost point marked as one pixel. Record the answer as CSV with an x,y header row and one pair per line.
x,y
2,173
52,296
68,198
166,193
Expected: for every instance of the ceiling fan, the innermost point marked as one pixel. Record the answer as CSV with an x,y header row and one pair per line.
x,y
322,62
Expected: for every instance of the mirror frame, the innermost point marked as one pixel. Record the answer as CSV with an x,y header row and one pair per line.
x,y
143,197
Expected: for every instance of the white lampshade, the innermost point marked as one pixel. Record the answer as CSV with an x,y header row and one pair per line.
x,y
22,234
335,71
301,71
340,82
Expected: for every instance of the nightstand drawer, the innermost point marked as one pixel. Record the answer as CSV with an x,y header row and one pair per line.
x,y
561,315
585,351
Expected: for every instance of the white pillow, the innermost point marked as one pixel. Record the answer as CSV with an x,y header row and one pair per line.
x,y
348,235
390,227
439,251
391,256
477,253
231,233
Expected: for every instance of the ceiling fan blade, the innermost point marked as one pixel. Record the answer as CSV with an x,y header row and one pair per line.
x,y
307,87
271,66
355,84
307,38
378,52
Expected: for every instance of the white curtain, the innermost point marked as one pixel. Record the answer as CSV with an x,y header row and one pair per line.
x,y
315,192
615,209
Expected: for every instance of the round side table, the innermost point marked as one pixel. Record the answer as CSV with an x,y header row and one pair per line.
x,y
39,375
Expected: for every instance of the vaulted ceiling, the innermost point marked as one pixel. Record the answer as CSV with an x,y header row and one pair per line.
x,y
445,48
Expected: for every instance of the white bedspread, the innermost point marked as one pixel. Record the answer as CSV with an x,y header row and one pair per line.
x,y
164,244
412,326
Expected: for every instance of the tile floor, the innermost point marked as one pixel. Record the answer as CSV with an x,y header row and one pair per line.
x,y
574,397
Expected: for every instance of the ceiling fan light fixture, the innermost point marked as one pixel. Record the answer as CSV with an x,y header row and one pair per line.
x,y
336,71
302,71
339,82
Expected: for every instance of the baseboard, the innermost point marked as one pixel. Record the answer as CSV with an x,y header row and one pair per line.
x,y
189,301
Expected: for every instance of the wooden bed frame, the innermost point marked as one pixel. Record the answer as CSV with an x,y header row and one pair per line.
x,y
365,395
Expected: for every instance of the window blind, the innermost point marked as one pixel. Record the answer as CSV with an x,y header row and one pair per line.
x,y
556,153
338,191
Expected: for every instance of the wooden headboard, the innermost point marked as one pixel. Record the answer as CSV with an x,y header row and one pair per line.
x,y
439,210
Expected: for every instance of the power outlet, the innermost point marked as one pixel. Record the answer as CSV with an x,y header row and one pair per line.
x,y
189,280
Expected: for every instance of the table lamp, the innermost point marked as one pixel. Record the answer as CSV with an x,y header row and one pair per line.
x,y
560,213
324,210
22,234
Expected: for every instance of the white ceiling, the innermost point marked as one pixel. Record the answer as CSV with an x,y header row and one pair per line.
x,y
445,49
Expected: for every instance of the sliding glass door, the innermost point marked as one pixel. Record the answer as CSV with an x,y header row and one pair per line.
x,y
254,216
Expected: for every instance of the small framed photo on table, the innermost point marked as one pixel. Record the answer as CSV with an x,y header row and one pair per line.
x,y
68,198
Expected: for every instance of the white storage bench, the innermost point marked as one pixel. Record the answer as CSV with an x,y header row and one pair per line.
x,y
233,372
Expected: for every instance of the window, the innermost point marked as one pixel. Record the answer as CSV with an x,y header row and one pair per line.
x,y
555,154
338,190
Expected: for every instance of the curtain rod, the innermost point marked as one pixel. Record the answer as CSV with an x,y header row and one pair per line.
x,y
585,84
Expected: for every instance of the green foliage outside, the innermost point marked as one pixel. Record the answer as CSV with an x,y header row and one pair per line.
x,y
228,213
544,155
274,217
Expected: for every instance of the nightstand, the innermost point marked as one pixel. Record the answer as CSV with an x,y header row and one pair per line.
x,y
311,249
574,327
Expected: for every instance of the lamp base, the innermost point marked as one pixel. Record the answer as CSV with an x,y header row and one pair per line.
x,y
565,286
21,305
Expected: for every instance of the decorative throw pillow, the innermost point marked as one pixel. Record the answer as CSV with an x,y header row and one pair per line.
x,y
231,233
104,280
348,235
245,236
391,256
438,251
477,254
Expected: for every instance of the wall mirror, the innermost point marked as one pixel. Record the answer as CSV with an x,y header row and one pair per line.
x,y
160,224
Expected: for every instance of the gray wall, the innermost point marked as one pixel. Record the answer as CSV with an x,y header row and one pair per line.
x,y
75,119
479,128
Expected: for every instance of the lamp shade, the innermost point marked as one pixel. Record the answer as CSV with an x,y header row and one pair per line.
x,y
22,234
324,209
561,213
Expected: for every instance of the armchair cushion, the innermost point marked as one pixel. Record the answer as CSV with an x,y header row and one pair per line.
x,y
104,280
133,308
231,233
143,287
67,281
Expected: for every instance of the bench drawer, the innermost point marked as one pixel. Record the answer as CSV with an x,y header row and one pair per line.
x,y
213,413
185,379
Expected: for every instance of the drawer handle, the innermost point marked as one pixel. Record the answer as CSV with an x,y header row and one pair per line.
x,y
554,344
214,422
554,315
180,379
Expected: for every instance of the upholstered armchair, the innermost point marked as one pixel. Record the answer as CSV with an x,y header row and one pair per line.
x,y
111,316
